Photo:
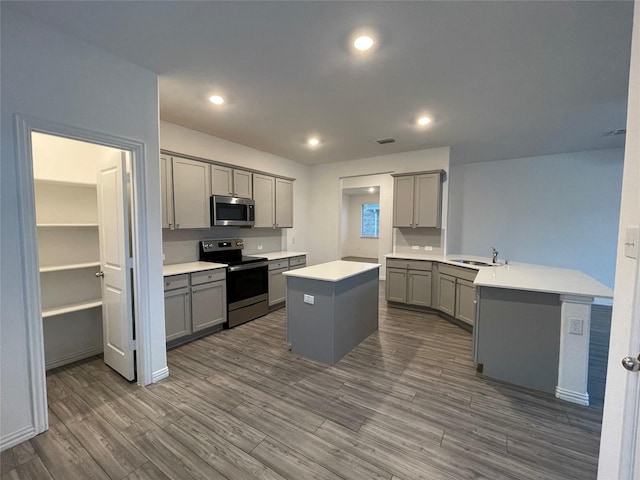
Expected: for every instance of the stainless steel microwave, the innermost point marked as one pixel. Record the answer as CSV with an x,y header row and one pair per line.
x,y
232,211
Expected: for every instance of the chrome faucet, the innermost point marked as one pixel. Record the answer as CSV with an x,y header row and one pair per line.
x,y
494,255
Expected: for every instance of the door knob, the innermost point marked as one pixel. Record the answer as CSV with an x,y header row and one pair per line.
x,y
631,364
99,274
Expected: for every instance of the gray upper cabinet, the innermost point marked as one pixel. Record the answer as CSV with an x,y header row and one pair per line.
x,y
191,192
264,196
284,203
417,200
166,189
231,182
274,201
221,180
242,184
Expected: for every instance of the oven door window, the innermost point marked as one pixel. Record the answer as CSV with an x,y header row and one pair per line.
x,y
245,284
231,211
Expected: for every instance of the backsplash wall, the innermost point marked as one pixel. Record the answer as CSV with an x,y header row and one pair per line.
x,y
180,246
407,238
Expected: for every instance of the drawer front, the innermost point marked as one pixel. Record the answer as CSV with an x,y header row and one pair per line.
x,y
278,264
295,261
176,281
207,276
423,265
459,272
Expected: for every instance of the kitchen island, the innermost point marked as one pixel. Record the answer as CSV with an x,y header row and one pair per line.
x,y
331,308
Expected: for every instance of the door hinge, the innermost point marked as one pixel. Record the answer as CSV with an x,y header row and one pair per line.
x,y
132,345
128,177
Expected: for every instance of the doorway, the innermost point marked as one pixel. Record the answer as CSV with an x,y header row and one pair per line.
x,y
77,212
360,230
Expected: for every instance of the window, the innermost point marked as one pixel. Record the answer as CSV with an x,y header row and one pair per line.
x,y
370,220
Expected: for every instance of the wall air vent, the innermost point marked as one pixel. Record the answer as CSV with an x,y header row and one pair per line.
x,y
614,133
382,141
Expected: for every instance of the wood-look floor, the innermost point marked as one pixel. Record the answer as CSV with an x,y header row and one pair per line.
x,y
405,404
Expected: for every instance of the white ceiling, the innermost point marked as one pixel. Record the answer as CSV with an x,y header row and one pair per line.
x,y
501,79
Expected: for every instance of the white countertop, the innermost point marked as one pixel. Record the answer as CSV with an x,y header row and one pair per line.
x,y
522,276
277,255
332,271
179,268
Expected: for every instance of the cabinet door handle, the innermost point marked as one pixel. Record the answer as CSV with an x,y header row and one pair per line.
x,y
99,274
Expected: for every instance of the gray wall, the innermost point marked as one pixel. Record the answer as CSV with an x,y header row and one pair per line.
x,y
558,210
53,77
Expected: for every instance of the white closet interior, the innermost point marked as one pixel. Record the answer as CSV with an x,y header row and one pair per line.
x,y
65,189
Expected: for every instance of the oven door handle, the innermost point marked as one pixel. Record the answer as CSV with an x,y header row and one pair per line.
x,y
248,266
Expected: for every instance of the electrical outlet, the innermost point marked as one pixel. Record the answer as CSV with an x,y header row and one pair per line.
x,y
164,257
575,326
415,247
428,248
259,247
632,237
310,299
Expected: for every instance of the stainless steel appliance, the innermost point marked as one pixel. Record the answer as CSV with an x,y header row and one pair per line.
x,y
247,279
232,211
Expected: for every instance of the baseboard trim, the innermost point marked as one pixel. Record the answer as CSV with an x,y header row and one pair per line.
x,y
160,374
73,357
17,437
573,397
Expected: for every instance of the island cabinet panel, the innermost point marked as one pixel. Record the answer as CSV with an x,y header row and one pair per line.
x,y
191,191
517,337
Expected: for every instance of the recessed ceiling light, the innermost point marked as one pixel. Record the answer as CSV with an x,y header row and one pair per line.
x,y
216,99
422,121
363,43
313,141
371,189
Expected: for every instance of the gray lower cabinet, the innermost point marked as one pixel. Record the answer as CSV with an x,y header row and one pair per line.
x,y
277,281
277,285
446,294
396,285
177,306
465,301
194,302
409,282
419,288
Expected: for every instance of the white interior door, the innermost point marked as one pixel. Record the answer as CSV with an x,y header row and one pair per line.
x,y
117,321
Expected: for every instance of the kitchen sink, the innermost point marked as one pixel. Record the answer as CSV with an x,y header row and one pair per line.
x,y
476,263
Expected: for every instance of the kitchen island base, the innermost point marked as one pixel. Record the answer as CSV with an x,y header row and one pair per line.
x,y
342,314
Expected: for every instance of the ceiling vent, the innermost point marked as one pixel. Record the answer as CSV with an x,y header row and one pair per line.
x,y
614,133
383,141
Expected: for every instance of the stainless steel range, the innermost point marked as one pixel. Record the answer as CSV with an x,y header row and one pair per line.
x,y
247,279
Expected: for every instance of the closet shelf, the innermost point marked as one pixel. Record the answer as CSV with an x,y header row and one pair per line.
x,y
66,182
74,307
74,266
57,225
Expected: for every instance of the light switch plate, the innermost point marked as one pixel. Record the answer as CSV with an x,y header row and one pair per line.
x,y
631,238
428,248
310,299
259,247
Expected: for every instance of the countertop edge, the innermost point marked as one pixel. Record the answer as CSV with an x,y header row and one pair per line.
x,y
189,267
